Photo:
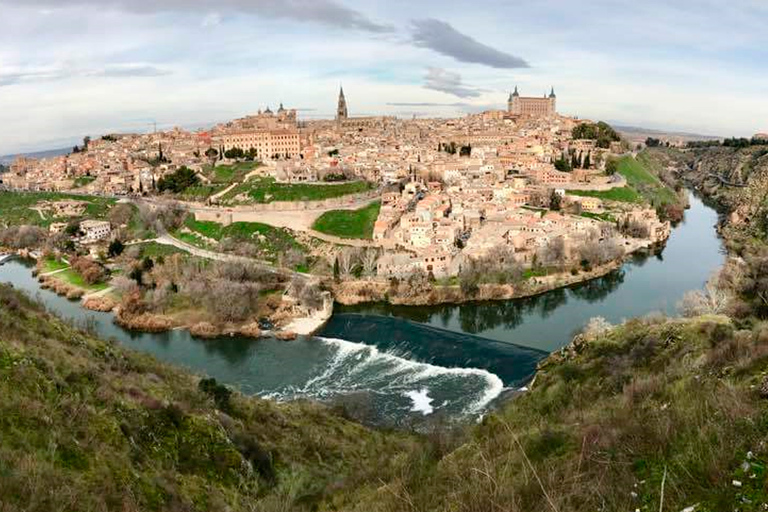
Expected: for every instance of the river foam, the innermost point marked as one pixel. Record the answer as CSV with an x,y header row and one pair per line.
x,y
357,366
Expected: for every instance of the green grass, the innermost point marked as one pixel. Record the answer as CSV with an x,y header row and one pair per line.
x,y
266,190
269,241
154,249
349,223
72,277
88,425
622,194
227,174
643,186
605,217
639,175
52,265
202,191
15,207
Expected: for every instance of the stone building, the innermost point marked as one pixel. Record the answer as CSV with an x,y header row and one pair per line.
x,y
545,106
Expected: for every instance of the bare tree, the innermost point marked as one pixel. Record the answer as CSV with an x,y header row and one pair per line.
x,y
712,300
554,252
369,259
348,258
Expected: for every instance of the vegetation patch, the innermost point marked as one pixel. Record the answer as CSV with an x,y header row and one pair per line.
x,y
267,190
349,223
15,207
269,242
621,194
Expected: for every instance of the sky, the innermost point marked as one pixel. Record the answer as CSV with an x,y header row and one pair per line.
x,y
70,68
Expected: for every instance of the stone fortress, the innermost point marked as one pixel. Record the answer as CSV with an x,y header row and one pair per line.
x,y
545,106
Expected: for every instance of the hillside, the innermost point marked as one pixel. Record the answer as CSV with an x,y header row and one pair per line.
x,y
86,425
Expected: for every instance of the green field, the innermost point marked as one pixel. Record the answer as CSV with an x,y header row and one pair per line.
x,y
266,190
15,207
623,194
349,223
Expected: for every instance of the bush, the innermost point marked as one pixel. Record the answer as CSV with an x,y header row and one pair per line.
x,y
220,393
116,248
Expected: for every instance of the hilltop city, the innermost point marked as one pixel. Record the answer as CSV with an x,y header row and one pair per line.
x,y
525,183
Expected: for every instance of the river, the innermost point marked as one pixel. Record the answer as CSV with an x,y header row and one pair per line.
x,y
399,365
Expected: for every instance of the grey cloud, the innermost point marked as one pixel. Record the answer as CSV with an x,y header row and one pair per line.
x,y
327,12
439,79
443,38
32,75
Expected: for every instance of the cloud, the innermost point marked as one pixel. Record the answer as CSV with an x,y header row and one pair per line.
x,y
326,12
53,73
213,19
438,79
426,104
443,38
130,70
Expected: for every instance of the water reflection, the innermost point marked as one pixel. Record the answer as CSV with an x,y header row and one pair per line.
x,y
648,282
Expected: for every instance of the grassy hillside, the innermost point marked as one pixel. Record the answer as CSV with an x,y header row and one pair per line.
x,y
86,425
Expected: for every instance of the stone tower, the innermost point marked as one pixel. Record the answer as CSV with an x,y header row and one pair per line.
x,y
512,102
341,110
553,101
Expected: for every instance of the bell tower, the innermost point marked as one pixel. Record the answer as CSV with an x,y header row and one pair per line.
x,y
341,110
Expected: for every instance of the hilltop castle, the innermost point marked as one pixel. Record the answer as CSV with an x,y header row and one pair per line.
x,y
541,107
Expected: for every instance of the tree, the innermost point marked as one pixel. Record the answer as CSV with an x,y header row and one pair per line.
x,y
369,259
562,164
121,215
116,248
179,181
72,229
611,166
555,201
601,132
587,160
652,142
137,275
147,264
347,260
336,269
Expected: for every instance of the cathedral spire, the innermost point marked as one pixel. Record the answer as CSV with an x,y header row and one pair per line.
x,y
552,94
341,110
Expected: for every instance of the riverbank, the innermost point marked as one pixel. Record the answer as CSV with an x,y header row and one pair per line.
x,y
280,318
354,293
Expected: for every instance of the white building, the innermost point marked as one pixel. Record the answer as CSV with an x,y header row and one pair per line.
x,y
95,230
